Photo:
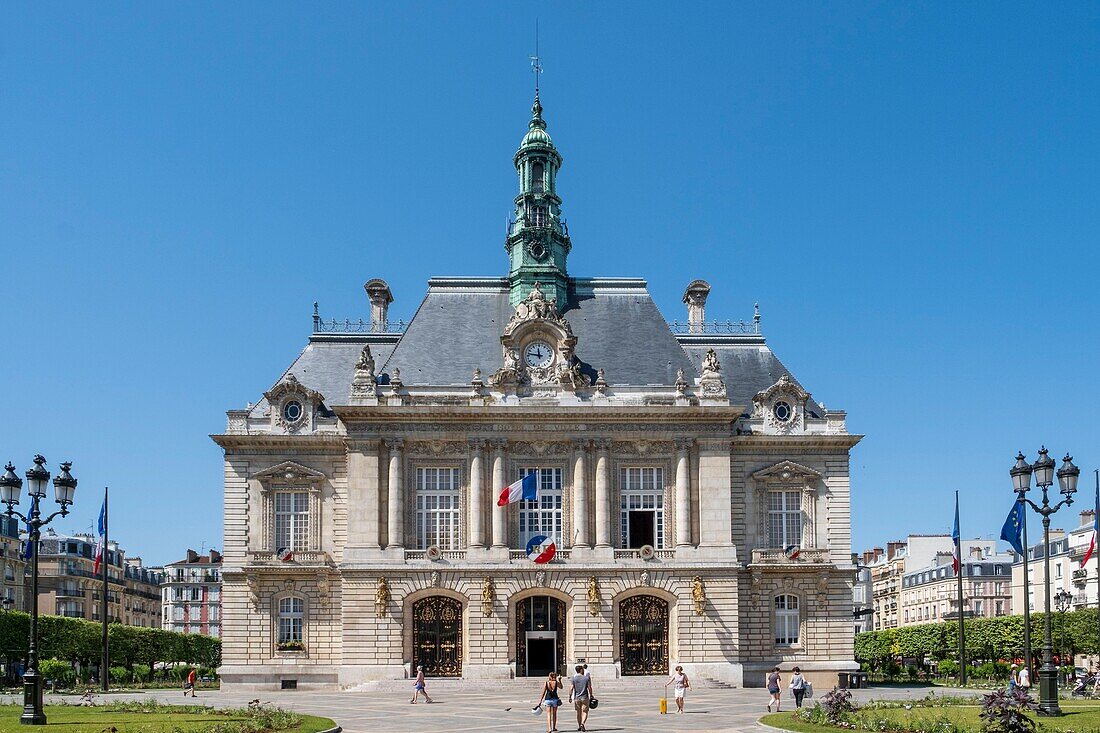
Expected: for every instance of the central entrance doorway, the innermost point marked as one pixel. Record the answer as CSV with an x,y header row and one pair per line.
x,y
540,636
643,635
437,636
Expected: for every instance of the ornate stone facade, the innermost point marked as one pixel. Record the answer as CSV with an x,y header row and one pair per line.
x,y
698,498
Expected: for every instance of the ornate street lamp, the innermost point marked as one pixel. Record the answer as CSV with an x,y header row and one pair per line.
x,y
64,487
1043,470
1063,599
1021,484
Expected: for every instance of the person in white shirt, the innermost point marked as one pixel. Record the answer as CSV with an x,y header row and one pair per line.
x,y
1023,681
680,680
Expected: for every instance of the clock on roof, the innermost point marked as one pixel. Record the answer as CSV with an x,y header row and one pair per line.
x,y
538,354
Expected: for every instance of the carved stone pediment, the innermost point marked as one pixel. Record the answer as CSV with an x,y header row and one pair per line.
x,y
289,472
536,307
292,404
788,472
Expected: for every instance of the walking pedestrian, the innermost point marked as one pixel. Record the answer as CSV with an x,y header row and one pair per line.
x,y
773,682
550,700
681,684
1013,678
190,684
1023,680
419,686
798,686
580,694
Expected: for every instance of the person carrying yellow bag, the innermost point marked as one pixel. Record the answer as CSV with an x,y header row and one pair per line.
x,y
680,683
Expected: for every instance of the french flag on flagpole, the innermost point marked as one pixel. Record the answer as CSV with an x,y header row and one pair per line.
x,y
956,540
102,530
526,488
1095,529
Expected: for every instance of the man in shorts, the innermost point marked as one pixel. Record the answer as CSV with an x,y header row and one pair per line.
x,y
580,692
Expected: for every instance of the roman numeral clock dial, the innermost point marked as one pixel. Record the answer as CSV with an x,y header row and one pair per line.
x,y
538,355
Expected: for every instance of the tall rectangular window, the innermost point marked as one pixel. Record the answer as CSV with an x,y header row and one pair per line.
x,y
784,518
787,620
437,518
542,516
291,611
641,507
292,520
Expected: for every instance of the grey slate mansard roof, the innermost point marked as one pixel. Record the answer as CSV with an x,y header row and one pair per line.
x,y
458,325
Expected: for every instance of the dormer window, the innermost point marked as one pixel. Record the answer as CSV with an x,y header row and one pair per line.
x,y
536,177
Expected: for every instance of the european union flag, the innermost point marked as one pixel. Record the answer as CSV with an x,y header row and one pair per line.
x,y
1013,530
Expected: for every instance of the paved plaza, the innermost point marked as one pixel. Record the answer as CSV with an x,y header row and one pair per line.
x,y
508,710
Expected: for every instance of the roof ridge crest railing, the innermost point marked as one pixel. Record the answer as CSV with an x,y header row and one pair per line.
x,y
739,327
359,325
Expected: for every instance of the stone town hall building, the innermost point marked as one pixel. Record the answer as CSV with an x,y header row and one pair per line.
x,y
698,496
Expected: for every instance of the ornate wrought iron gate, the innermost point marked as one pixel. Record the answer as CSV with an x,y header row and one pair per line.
x,y
437,636
643,635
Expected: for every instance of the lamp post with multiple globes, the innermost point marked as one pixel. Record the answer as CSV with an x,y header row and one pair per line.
x,y
1043,471
64,487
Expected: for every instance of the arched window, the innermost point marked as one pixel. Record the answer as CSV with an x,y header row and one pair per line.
x,y
536,177
786,620
291,613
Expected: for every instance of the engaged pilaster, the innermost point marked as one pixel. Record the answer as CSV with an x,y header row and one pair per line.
x,y
603,493
580,494
395,514
500,513
364,496
683,492
475,510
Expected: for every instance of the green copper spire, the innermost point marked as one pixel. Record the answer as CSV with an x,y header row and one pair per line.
x,y
538,241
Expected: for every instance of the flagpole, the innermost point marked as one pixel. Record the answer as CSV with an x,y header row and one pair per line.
x,y
959,577
105,663
1027,598
1095,524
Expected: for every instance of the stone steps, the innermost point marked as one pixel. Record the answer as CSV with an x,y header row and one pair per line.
x,y
526,684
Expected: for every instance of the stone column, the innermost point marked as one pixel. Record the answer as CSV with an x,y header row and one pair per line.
x,y
809,517
364,497
683,493
603,493
715,494
474,510
500,513
395,515
580,494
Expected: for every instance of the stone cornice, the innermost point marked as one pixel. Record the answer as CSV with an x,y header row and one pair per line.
x,y
322,441
787,442
496,414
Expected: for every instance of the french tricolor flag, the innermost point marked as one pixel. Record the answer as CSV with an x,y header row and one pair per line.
x,y
526,488
1095,529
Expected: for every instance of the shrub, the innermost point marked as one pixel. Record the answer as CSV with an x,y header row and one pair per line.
x,y
119,675
913,671
56,670
141,672
948,668
837,705
1007,712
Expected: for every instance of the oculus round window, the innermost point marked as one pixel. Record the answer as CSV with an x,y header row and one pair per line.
x,y
292,411
538,354
782,411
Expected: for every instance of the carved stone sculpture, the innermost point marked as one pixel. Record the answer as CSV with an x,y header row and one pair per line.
x,y
508,375
711,365
601,382
487,596
698,595
381,596
593,595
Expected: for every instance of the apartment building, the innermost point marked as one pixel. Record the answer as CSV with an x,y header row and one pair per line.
x,y
1067,550
931,593
191,594
12,566
887,567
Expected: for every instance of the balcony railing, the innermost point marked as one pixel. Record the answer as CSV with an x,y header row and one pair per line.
x,y
779,557
299,558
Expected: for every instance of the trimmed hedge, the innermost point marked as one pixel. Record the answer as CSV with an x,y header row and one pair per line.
x,y
135,648
986,638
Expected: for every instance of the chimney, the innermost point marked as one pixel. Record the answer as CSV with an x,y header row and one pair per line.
x,y
976,552
1086,517
135,562
380,298
696,298
192,556
878,552
868,557
893,547
215,556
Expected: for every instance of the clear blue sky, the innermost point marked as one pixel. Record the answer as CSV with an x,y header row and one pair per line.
x,y
909,190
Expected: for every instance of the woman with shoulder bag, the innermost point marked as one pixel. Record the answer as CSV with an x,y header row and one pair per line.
x,y
798,686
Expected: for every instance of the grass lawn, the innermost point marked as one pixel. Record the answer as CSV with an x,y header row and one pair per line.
x,y
154,718
1078,717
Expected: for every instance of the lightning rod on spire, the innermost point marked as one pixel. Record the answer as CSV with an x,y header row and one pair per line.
x,y
536,60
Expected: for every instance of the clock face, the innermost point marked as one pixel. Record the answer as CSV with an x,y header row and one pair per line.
x,y
538,355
